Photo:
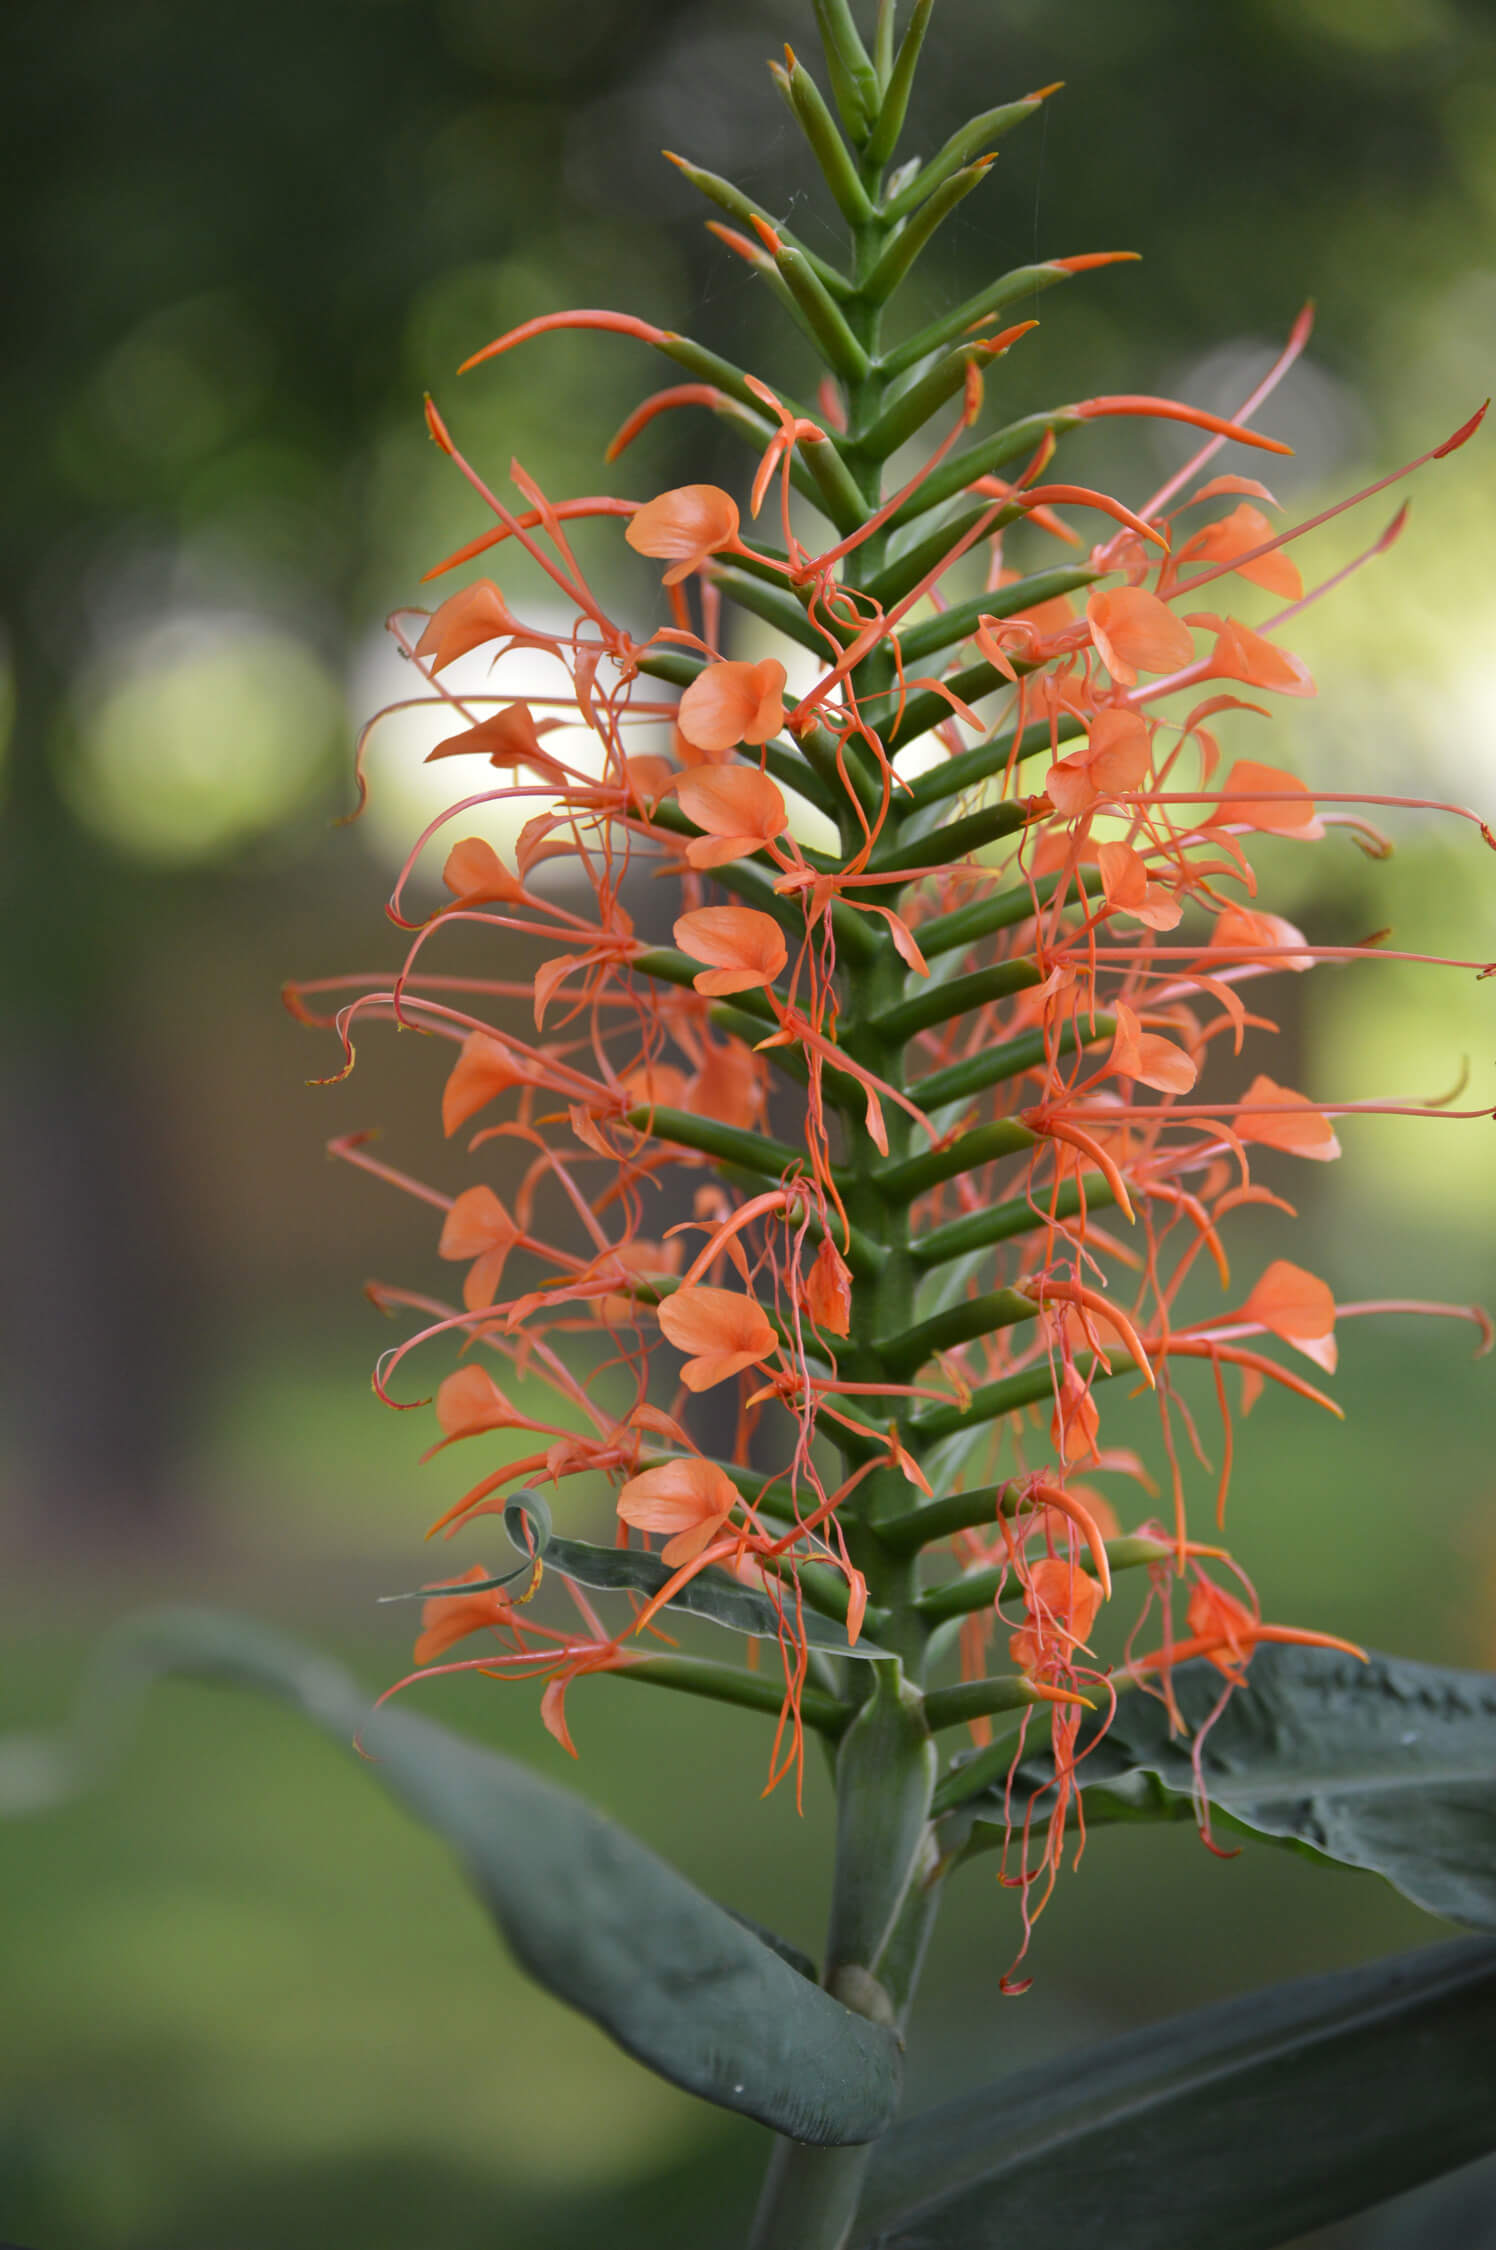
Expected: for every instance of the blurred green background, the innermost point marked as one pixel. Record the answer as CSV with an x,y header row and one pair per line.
x,y
245,2002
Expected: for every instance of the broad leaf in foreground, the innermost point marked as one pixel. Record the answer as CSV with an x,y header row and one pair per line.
x,y
590,1913
1236,2127
1388,1765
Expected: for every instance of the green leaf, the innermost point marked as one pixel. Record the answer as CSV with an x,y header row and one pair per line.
x,y
629,1570
1388,1766
587,1911
1233,2128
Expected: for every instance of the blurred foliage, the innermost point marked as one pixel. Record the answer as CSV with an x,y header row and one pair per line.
x,y
247,2003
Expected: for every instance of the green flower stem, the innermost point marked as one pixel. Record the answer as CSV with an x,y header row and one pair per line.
x,y
960,621
1007,1397
984,1144
906,1532
979,133
908,243
807,105
975,1773
729,197
962,1597
957,839
938,1003
929,709
908,414
895,103
983,459
792,770
1002,1221
1022,283
904,1355
751,1152
979,1699
854,80
823,317
727,1683
968,925
969,768
778,607
1009,1059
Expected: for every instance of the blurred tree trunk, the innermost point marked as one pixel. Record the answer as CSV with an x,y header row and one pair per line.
x,y
99,1305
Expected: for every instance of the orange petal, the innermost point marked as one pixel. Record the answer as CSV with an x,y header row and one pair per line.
x,y
470,1401
684,526
1285,809
743,947
1246,926
1246,527
1124,878
1303,1131
452,1617
1241,654
1074,1425
729,1085
477,1222
727,1333
730,703
828,1290
476,873
738,808
1135,632
509,738
465,621
1152,1061
1299,1307
483,1069
678,1496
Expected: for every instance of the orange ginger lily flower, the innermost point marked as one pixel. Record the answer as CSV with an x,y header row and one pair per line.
x,y
1241,654
744,948
1299,1307
730,703
1150,1060
1276,1117
1134,632
1285,807
729,1085
828,1290
469,1401
1074,1425
1115,758
1125,883
690,1499
475,872
1061,1600
1242,926
1218,1617
465,621
740,809
453,1616
684,527
485,1068
510,738
1246,527
478,1227
724,1331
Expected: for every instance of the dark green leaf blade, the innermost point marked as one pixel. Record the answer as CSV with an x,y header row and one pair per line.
x,y
1237,2127
1388,1766
588,1911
